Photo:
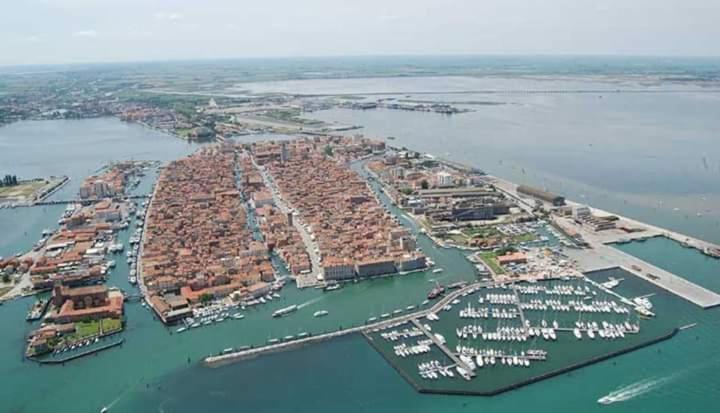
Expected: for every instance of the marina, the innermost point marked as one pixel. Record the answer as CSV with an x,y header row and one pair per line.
x,y
482,346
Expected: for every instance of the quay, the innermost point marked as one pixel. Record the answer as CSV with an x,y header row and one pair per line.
x,y
82,354
603,257
220,360
443,347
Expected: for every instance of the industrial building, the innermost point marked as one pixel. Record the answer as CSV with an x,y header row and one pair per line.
x,y
542,195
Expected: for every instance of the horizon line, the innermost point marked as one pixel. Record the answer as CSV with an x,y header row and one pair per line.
x,y
355,56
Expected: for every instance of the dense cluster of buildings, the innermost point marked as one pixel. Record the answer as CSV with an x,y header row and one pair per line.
x,y
112,182
356,237
443,193
276,227
197,243
72,263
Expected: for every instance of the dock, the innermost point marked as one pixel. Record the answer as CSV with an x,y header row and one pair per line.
x,y
603,257
443,347
82,354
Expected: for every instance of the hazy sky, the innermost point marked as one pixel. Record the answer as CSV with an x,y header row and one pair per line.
x,y
60,31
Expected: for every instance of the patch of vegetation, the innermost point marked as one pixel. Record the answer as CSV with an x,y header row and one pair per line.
x,y
490,259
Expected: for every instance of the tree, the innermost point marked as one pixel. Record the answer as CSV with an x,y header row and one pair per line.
x,y
424,184
206,298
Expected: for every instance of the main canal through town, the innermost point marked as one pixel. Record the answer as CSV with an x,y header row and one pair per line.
x,y
157,369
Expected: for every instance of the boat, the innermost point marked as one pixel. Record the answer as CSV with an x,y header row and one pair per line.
x,y
104,410
320,313
180,330
611,283
132,280
332,287
436,292
238,316
437,270
228,350
577,333
285,311
37,310
643,302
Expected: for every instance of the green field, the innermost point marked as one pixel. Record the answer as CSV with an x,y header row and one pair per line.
x,y
92,328
490,259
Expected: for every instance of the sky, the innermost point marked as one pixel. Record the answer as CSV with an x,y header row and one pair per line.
x,y
83,31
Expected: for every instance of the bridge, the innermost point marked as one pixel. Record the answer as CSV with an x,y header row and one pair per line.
x,y
223,359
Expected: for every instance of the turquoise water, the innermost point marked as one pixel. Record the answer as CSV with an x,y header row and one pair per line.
x,y
669,255
151,371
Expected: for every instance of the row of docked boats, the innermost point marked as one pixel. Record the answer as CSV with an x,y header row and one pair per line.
x,y
488,312
479,359
498,299
395,335
595,306
432,370
76,346
605,329
191,322
557,289
404,350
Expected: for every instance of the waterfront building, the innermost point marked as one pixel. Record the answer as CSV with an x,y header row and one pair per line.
x,y
542,195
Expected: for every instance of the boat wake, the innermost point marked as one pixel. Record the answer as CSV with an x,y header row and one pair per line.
x,y
633,390
311,302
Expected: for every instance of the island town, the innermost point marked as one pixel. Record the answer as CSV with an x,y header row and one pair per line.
x,y
225,229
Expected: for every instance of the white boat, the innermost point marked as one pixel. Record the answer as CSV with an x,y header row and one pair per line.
x,y
132,280
238,316
285,311
611,283
180,330
320,313
577,333
643,302
437,270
